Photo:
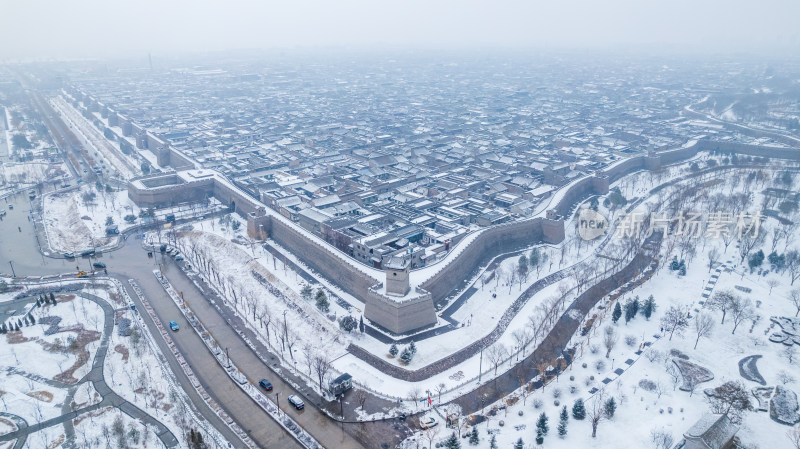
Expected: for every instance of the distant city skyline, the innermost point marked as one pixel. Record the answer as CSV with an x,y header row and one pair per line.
x,y
101,29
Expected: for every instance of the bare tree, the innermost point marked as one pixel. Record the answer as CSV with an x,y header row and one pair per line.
x,y
498,273
609,339
674,374
772,283
713,257
291,339
597,411
496,354
430,435
748,243
703,325
722,301
785,378
308,354
674,321
794,436
361,397
661,438
321,367
741,310
413,395
439,390
794,297
730,398
793,265
520,338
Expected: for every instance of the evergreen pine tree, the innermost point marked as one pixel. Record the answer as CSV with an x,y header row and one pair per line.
x,y
473,436
649,307
393,350
578,410
361,324
452,442
322,301
629,314
306,292
617,313
412,347
610,407
406,356
52,298
635,305
562,422
541,424
33,320
519,444
493,442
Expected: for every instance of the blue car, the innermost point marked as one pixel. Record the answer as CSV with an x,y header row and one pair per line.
x,y
173,325
265,384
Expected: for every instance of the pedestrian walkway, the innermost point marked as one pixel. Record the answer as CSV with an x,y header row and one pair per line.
x,y
110,398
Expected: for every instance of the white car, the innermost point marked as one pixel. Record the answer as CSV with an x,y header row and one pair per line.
x,y
427,423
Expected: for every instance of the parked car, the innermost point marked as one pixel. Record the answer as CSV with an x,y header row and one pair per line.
x,y
427,423
296,402
69,255
88,252
174,326
265,384
11,206
178,257
100,265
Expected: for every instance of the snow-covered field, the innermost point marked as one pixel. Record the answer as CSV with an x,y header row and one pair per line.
x,y
43,367
646,388
74,220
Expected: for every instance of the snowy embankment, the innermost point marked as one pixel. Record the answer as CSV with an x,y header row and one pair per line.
x,y
75,219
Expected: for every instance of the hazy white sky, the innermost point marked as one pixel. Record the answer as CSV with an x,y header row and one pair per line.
x,y
102,28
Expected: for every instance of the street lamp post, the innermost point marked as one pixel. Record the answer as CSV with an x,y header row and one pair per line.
x,y
12,268
480,366
285,329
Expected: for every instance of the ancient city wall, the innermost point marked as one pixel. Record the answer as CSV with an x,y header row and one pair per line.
x,y
400,317
491,243
320,259
750,150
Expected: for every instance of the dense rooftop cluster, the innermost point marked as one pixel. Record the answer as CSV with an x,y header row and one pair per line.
x,y
385,157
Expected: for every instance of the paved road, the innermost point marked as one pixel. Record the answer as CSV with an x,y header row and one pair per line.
x,y
318,424
110,398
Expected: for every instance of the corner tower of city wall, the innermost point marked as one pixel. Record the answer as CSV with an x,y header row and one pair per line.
x,y
400,316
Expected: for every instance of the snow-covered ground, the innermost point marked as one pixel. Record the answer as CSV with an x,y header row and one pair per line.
x,y
661,405
74,221
40,362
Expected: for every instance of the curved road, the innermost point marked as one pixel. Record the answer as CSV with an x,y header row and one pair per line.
x,y
130,261
110,398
